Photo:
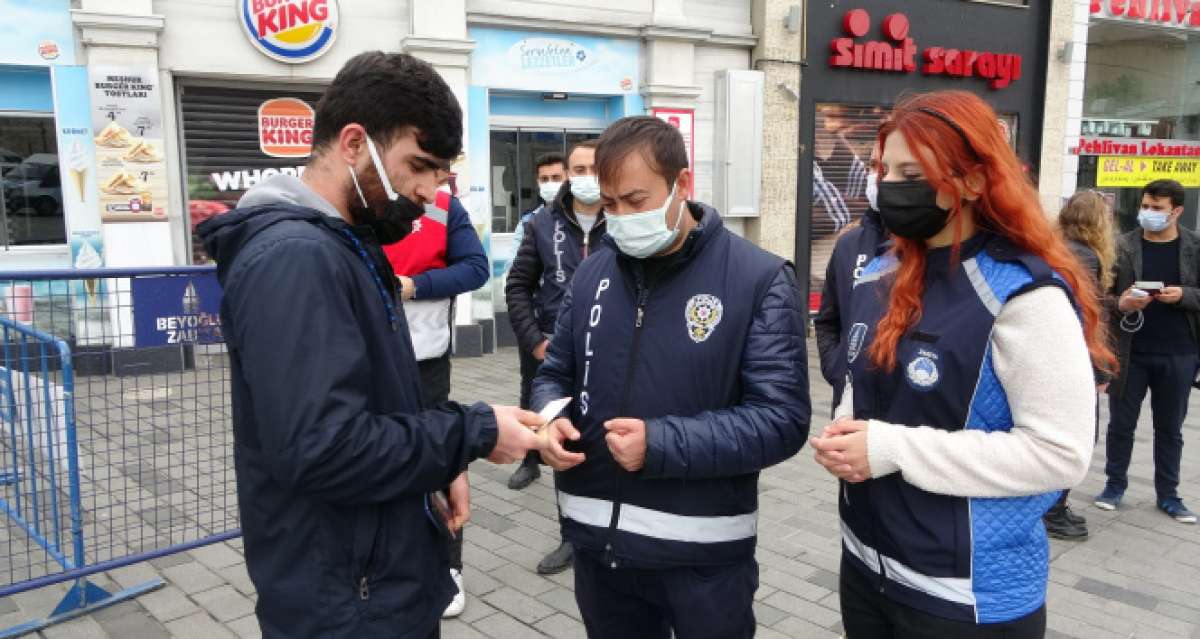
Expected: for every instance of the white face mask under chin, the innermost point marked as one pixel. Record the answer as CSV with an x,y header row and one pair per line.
x,y
641,235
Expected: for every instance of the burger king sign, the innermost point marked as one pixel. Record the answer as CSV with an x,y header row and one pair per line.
x,y
292,31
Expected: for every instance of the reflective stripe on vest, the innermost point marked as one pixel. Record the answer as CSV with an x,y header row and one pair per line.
x,y
658,524
984,290
946,588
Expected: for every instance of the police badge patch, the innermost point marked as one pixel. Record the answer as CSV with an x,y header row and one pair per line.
x,y
703,313
922,371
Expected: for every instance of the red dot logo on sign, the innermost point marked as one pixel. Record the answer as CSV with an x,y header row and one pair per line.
x,y
285,128
895,27
856,23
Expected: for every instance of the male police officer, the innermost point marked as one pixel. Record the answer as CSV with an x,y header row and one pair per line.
x,y
683,348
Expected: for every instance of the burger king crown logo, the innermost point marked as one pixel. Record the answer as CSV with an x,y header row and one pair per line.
x,y
292,31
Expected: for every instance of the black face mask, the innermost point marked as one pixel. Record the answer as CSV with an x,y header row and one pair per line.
x,y
394,224
909,209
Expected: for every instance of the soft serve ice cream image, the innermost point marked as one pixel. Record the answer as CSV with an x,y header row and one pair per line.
x,y
89,258
77,168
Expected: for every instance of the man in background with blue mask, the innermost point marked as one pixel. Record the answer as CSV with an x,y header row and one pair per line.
x,y
682,348
557,239
1155,316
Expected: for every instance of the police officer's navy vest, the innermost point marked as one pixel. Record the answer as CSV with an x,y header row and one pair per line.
x,y
562,246
981,560
674,349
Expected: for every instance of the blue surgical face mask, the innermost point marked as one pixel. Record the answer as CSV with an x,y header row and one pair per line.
x,y
1154,221
585,188
549,190
640,235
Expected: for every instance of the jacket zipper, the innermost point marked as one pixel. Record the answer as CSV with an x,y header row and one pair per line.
x,y
643,294
364,586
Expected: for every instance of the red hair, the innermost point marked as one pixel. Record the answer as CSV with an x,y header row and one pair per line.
x,y
961,135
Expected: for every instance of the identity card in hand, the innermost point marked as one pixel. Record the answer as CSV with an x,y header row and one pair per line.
x,y
553,409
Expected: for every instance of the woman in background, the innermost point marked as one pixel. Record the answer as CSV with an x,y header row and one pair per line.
x,y
1086,224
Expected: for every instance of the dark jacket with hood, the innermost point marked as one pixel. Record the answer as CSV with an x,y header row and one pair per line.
x,y
333,453
552,248
1128,270
706,345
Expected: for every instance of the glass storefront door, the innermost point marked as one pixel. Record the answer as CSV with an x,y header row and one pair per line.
x,y
514,176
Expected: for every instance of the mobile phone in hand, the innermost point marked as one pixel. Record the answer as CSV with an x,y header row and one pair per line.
x,y
1153,288
438,509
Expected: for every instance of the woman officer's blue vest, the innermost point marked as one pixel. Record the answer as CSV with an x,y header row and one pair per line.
x,y
981,560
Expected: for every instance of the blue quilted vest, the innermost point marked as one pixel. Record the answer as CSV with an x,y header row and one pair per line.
x,y
980,560
674,348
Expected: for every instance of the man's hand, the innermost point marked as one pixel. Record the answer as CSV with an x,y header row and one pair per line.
x,y
408,288
1170,295
515,435
459,496
551,440
539,351
842,450
1128,303
627,440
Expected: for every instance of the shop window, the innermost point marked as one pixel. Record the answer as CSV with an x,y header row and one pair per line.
x,y
229,148
31,199
1140,84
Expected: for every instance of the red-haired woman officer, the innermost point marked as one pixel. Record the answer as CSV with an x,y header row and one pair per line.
x,y
971,398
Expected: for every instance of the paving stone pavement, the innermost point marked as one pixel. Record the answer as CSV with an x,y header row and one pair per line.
x,y
1135,577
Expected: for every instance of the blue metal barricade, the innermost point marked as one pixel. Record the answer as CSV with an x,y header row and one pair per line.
x,y
115,437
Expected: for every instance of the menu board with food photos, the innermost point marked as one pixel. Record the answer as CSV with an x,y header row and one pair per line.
x,y
131,169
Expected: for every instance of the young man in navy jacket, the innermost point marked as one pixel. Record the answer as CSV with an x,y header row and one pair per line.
x,y
334,450
682,347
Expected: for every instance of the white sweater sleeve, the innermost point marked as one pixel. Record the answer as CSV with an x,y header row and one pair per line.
x,y
1041,360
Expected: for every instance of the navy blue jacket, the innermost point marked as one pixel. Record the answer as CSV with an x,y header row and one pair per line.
x,y
707,346
977,560
552,248
851,254
332,450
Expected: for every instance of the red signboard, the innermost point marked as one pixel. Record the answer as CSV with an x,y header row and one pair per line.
x,y
897,52
1138,147
1176,13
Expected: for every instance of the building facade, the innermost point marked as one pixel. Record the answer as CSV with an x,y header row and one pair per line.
x,y
1134,106
184,105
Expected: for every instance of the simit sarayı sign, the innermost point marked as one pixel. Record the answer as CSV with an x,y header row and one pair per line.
x,y
1175,13
292,31
897,53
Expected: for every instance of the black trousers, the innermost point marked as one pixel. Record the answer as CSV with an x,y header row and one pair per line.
x,y
1168,378
700,602
529,369
435,389
867,614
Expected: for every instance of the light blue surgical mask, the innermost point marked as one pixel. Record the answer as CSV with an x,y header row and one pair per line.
x,y
585,188
640,235
549,190
872,191
1154,221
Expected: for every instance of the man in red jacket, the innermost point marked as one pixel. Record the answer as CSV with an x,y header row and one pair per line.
x,y
441,259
